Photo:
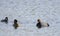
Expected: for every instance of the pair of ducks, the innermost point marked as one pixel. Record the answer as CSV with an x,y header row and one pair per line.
x,y
15,25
